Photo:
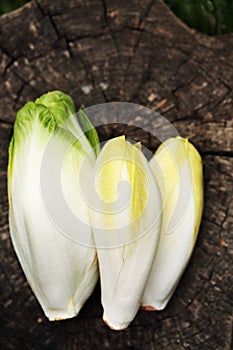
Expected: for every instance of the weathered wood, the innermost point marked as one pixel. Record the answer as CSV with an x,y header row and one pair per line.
x,y
143,54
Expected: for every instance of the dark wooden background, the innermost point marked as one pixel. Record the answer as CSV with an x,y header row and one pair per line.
x,y
143,54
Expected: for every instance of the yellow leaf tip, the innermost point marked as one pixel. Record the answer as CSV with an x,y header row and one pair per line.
x,y
138,145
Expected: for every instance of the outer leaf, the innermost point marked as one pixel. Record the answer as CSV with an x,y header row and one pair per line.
x,y
126,225
62,274
177,168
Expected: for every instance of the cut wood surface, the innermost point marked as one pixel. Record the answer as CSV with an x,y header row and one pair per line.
x,y
132,51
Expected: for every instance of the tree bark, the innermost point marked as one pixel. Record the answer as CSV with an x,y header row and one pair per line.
x,y
134,51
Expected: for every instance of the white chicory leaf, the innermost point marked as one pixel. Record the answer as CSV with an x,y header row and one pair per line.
x,y
126,226
177,167
61,273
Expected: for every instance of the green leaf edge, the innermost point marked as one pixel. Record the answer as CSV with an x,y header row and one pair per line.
x,y
89,131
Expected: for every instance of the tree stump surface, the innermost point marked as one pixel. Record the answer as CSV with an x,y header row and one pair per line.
x,y
137,51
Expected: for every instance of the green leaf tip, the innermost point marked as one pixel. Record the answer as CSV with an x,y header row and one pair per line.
x,y
60,105
29,114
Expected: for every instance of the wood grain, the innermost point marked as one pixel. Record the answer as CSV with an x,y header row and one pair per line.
x,y
143,54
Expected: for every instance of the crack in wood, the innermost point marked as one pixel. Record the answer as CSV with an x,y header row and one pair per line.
x,y
6,122
10,64
59,35
40,8
227,154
